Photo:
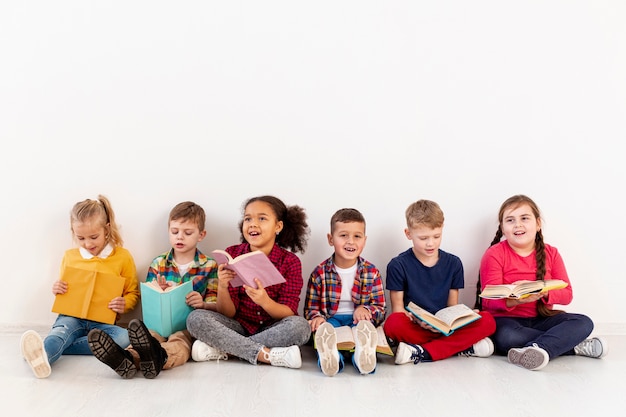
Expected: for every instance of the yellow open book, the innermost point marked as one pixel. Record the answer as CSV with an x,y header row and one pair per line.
x,y
88,294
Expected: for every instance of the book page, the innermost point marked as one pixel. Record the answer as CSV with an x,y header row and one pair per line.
x,y
449,314
345,338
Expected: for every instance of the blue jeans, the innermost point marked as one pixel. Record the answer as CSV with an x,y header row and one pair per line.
x,y
557,334
68,336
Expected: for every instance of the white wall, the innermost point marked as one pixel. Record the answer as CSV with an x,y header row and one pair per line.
x,y
325,104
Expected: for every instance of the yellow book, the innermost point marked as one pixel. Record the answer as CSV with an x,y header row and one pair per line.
x,y
88,294
521,289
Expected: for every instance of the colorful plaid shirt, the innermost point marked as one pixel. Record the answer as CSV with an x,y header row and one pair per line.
x,y
324,290
251,316
203,272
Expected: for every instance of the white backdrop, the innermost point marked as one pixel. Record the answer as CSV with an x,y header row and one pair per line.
x,y
325,104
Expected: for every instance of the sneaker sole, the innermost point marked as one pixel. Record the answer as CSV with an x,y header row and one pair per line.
x,y
140,341
111,354
35,354
326,344
366,340
530,359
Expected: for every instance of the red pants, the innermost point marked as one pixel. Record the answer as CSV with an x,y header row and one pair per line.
x,y
399,328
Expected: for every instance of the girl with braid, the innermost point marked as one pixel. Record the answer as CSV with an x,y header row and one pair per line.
x,y
528,330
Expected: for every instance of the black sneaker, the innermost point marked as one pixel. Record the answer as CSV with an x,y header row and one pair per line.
x,y
111,354
152,356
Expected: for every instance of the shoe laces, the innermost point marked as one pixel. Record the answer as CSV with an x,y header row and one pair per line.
x,y
587,348
417,354
467,353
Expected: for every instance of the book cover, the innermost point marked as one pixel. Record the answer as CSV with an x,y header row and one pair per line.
x,y
521,289
88,294
248,266
165,311
446,320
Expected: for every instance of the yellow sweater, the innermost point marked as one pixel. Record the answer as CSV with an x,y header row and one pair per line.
x,y
120,262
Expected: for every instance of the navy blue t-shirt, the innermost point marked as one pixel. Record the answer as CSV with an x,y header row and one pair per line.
x,y
428,287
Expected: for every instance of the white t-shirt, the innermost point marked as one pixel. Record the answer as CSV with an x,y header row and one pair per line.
x,y
346,305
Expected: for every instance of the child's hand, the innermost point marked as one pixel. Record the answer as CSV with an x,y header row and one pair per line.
x,y
163,283
428,327
361,313
118,304
258,295
512,302
316,322
224,276
194,299
420,323
59,287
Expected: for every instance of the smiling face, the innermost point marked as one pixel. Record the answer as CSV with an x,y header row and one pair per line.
x,y
260,226
519,226
426,241
184,237
91,235
348,239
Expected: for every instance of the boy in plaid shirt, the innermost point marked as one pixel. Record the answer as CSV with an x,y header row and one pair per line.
x,y
151,352
345,290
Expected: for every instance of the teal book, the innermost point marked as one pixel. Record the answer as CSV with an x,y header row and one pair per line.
x,y
165,311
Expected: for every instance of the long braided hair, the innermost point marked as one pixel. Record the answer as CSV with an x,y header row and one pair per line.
x,y
540,253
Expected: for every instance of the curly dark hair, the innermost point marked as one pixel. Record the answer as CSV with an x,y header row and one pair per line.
x,y
295,231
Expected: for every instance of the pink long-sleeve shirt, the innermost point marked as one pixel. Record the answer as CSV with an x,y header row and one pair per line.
x,y
502,265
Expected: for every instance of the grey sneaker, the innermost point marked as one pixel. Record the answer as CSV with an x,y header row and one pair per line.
x,y
408,352
289,357
201,352
596,347
365,341
530,357
481,349
326,345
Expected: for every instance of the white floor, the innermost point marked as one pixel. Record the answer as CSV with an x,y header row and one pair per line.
x,y
82,386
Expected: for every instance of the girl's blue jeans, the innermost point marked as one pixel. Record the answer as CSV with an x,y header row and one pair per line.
x,y
557,334
68,336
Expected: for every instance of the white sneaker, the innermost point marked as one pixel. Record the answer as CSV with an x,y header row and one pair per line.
x,y
529,357
596,347
326,345
289,357
365,340
201,352
33,351
481,349
407,352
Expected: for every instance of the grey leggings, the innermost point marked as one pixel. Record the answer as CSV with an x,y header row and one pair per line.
x,y
228,334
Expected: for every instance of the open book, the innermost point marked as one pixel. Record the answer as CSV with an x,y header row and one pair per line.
x,y
521,289
248,266
88,294
165,311
345,340
446,320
